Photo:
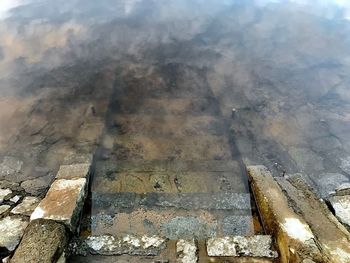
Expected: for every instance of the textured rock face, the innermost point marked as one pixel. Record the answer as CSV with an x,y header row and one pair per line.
x,y
110,245
43,242
332,237
27,206
254,246
186,251
4,209
38,185
341,206
295,239
63,202
11,231
4,194
73,171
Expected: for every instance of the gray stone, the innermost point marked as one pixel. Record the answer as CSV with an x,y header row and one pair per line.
x,y
11,231
327,183
27,206
341,206
4,194
187,228
253,246
10,165
63,202
38,185
4,209
11,185
110,245
186,251
73,171
43,242
238,226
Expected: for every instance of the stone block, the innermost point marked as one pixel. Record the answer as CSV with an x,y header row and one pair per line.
x,y
11,231
73,171
4,194
332,237
27,206
44,241
239,246
186,251
63,202
129,244
341,206
294,237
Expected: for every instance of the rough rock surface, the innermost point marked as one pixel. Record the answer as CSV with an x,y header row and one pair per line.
x,y
38,185
27,206
4,194
333,238
253,246
341,206
295,239
9,166
73,171
110,245
43,242
11,231
4,209
186,251
63,202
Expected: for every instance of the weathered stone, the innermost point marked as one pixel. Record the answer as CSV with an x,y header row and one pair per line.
x,y
327,183
63,202
4,194
332,237
253,246
10,165
10,185
341,206
188,227
294,238
238,226
11,231
110,245
27,206
186,251
38,185
73,171
43,242
4,209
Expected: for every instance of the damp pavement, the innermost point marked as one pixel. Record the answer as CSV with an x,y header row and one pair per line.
x,y
170,99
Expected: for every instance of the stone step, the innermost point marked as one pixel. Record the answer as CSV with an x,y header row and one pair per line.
x,y
115,202
173,223
170,182
141,147
114,166
164,106
166,125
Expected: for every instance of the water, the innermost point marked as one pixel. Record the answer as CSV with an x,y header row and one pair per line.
x,y
172,98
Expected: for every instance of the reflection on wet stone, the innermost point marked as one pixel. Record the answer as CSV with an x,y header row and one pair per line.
x,y
170,102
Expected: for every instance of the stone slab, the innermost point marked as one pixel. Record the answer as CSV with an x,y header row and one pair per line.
x,y
43,242
186,251
128,244
188,201
4,209
341,206
332,237
239,246
294,237
63,202
73,171
4,194
11,231
27,206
